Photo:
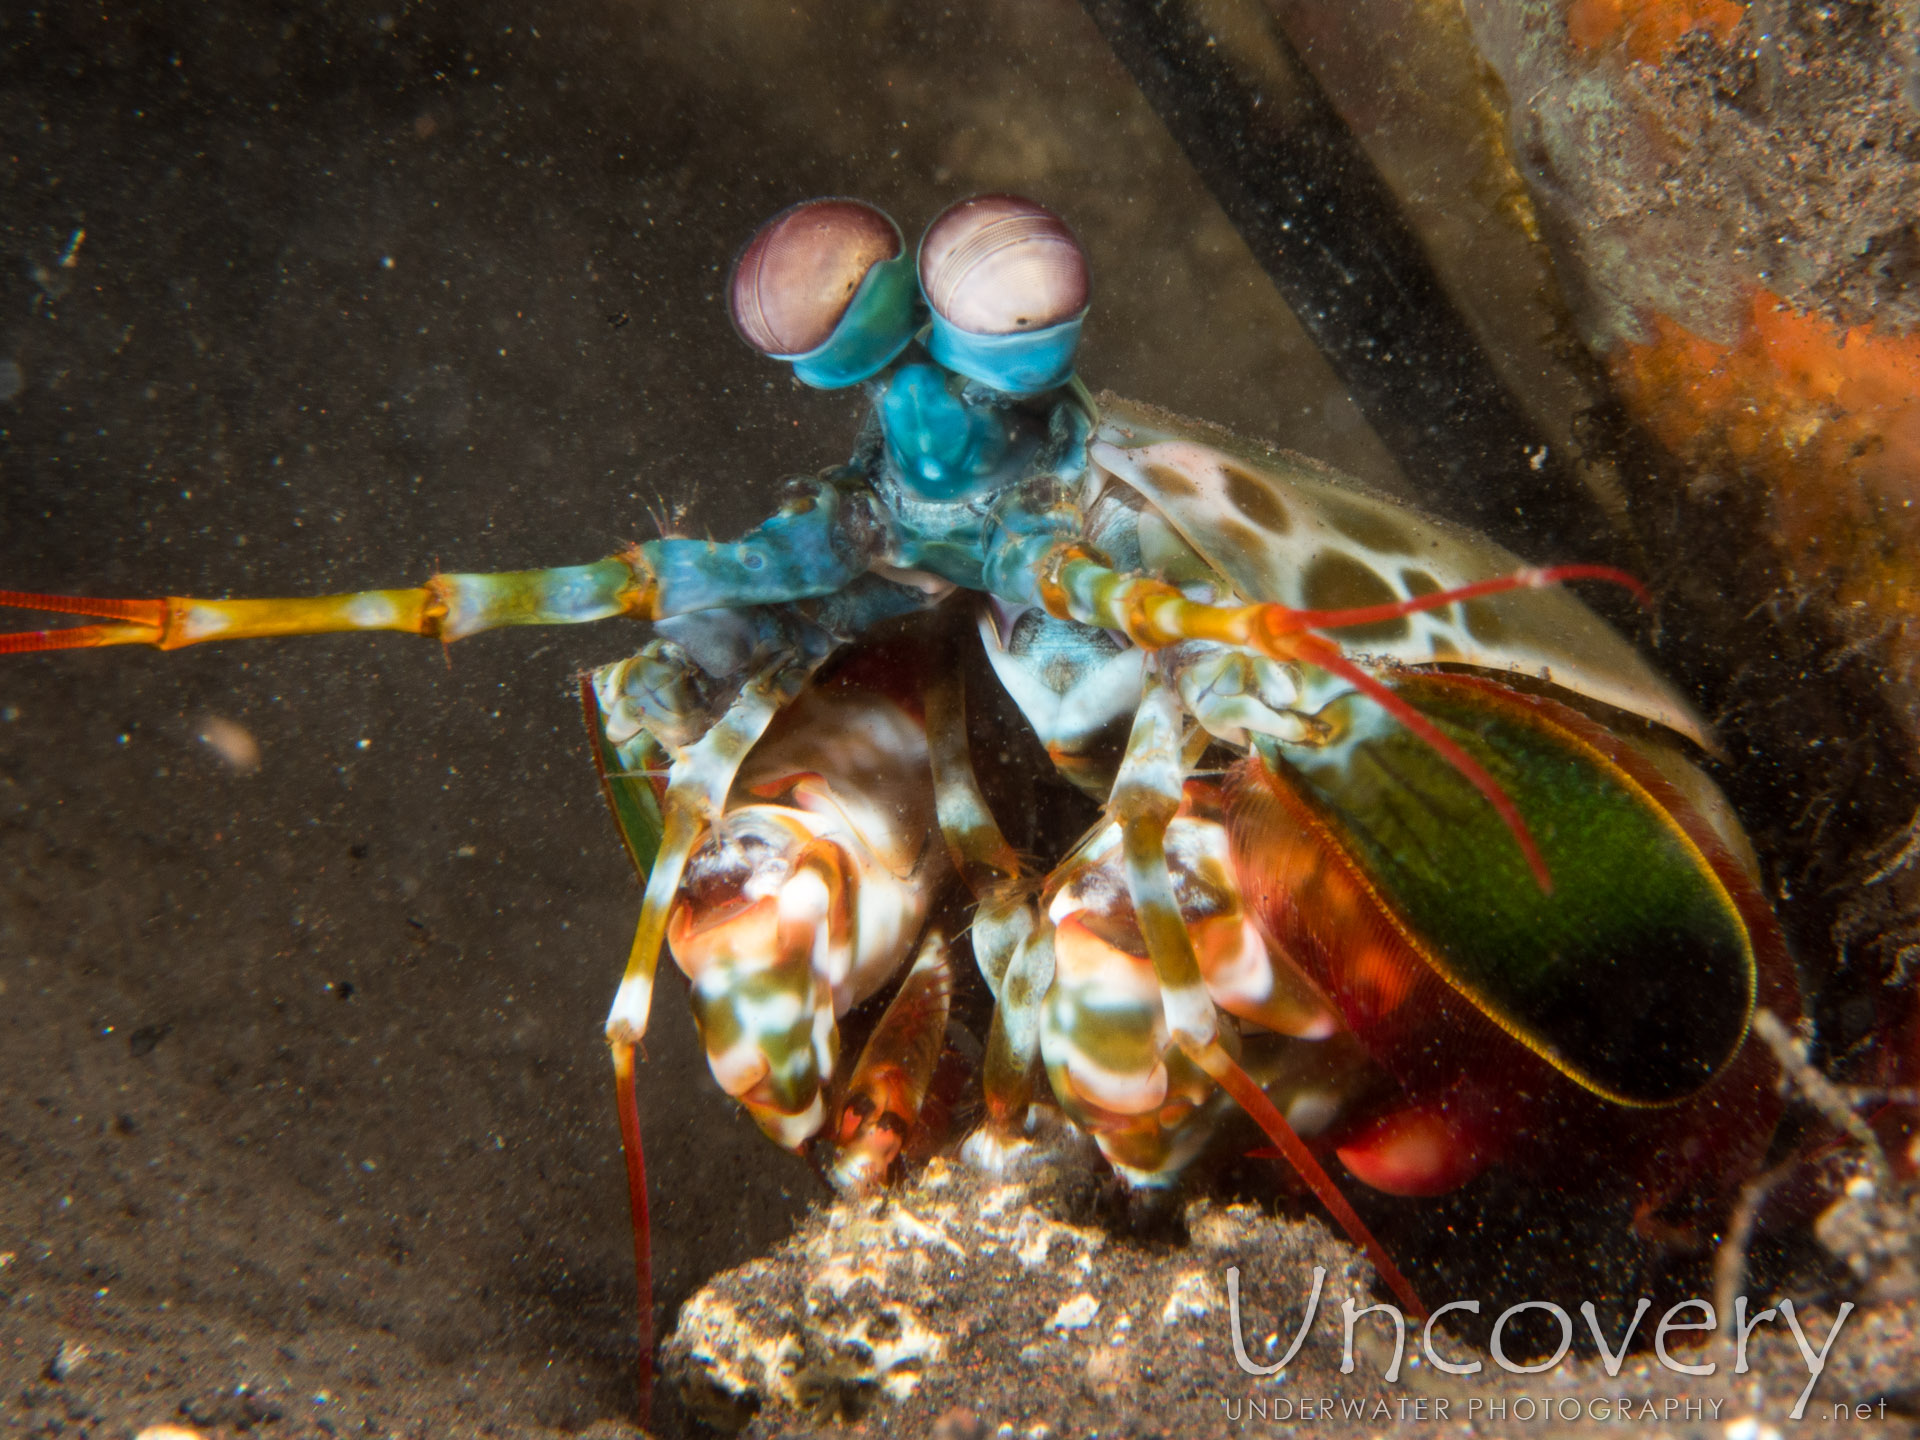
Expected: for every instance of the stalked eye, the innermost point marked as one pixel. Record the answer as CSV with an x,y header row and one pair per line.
x,y
997,264
1008,286
825,284
800,271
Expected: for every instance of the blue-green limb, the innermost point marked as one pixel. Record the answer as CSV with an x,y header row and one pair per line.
x,y
807,550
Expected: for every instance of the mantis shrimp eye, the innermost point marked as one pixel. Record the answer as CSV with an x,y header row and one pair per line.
x,y
996,264
826,286
1008,285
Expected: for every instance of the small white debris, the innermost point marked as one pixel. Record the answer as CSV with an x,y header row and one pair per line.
x,y
1075,1314
67,1359
1108,1367
168,1432
1751,1427
994,1203
1216,1227
1312,1112
899,1387
1033,1240
232,742
927,1232
940,1173
1192,1296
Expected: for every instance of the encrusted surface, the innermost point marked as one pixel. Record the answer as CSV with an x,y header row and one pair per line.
x,y
963,1288
1782,151
1731,193
965,1308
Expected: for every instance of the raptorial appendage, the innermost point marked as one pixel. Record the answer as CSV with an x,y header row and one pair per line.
x,y
808,895
1109,1055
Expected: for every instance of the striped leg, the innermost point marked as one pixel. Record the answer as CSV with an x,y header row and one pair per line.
x,y
979,850
1014,952
697,787
1009,936
1146,797
882,1108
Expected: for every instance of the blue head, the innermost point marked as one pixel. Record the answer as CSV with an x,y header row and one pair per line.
x,y
1000,296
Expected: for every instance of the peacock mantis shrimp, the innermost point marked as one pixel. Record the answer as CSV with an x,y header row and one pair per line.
x,y
1381,803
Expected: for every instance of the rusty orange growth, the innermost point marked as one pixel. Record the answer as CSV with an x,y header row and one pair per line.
x,y
1648,30
1827,418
